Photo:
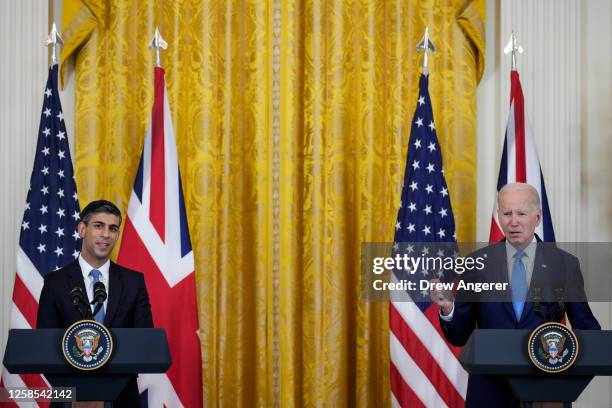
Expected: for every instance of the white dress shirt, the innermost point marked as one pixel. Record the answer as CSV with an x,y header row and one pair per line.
x,y
104,271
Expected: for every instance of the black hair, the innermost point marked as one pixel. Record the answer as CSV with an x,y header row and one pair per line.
x,y
99,206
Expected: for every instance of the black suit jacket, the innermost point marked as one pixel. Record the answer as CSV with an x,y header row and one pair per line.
x,y
127,306
552,268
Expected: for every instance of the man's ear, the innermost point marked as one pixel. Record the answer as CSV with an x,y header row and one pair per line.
x,y
81,228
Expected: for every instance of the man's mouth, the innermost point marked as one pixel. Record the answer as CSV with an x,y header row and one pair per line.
x,y
103,245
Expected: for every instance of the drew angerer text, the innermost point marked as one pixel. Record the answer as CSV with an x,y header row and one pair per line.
x,y
424,284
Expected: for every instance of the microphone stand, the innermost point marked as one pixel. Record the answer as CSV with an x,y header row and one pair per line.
x,y
560,296
78,302
536,297
551,314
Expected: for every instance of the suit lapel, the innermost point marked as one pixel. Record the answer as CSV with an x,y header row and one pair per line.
x,y
542,263
499,257
527,309
75,277
115,283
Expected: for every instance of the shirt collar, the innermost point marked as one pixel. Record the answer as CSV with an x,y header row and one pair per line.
x,y
86,268
529,250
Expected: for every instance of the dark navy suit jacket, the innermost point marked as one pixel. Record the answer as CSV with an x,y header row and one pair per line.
x,y
551,266
127,306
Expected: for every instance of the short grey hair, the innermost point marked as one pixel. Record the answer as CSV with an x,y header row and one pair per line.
x,y
512,187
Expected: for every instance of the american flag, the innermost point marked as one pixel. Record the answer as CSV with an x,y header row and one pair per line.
x,y
424,367
156,242
49,237
520,163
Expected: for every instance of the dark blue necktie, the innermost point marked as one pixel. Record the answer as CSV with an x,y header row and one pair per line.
x,y
519,284
95,277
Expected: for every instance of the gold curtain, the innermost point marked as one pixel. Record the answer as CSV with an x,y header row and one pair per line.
x,y
292,121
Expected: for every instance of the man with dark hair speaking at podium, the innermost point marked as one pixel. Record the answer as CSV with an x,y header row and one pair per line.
x,y
514,259
127,303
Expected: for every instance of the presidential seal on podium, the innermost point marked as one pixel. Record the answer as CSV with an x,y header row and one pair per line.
x,y
552,347
87,345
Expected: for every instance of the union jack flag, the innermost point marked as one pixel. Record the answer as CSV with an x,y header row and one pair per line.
x,y
520,162
424,367
48,238
156,242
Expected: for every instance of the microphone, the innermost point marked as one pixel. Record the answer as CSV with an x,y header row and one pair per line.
x,y
99,293
560,295
99,296
77,296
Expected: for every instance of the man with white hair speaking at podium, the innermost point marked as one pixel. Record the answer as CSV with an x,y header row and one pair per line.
x,y
516,260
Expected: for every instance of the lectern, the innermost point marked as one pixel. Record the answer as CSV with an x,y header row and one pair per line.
x,y
135,351
504,353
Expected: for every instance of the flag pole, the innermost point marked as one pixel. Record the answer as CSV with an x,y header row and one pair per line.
x,y
514,48
158,42
53,39
426,46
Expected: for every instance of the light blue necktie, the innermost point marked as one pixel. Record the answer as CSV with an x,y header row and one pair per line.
x,y
519,284
95,277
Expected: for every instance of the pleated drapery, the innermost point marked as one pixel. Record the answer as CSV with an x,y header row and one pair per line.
x,y
292,121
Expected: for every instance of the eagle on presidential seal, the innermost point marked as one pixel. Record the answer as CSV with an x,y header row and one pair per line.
x,y
553,345
87,342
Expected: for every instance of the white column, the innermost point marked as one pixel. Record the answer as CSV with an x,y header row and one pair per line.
x,y
596,144
24,25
